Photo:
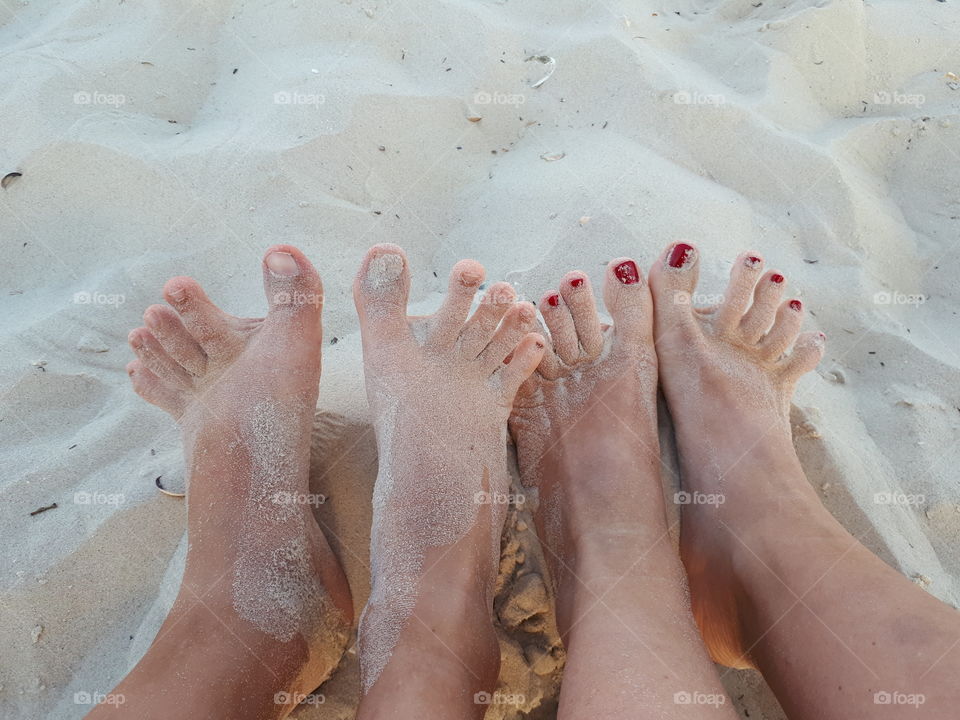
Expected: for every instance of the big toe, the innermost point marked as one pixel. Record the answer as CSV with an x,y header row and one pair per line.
x,y
627,297
380,292
673,278
293,287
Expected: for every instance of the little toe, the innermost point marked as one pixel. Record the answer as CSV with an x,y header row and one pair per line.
x,y
807,353
447,324
627,298
563,332
173,337
524,360
784,331
211,327
766,299
518,321
293,288
578,296
673,278
380,292
152,389
744,274
481,326
156,359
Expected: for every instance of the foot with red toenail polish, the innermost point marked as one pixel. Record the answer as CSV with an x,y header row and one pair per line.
x,y
586,420
728,380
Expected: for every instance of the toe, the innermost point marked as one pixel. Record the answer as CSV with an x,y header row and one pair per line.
x,y
578,297
563,333
628,301
673,278
523,361
209,325
447,324
292,286
519,320
784,330
174,338
156,360
478,331
766,299
152,389
807,352
380,292
744,274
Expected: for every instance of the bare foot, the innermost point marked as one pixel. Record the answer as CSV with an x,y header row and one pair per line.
x,y
585,426
264,607
440,395
587,418
728,381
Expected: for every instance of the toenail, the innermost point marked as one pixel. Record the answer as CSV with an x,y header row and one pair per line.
x,y
753,261
469,278
540,345
384,270
680,255
177,293
553,301
281,263
777,278
796,305
151,319
576,282
526,315
627,272
135,340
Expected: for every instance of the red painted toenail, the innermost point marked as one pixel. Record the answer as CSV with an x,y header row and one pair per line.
x,y
540,345
680,255
753,261
627,272
796,305
576,282
553,300
777,278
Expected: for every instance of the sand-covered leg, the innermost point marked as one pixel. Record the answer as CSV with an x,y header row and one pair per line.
x,y
586,435
776,583
264,611
440,394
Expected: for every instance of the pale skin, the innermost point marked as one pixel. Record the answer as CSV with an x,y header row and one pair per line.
x,y
774,581
210,370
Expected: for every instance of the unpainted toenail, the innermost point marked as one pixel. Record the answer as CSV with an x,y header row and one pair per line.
x,y
177,293
150,319
283,264
384,270
135,340
469,278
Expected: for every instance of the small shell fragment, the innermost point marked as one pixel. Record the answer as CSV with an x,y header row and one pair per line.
x,y
9,178
551,157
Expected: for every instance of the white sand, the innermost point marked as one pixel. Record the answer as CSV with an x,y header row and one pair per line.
x,y
786,145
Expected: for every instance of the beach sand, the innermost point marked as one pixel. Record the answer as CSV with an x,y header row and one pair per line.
x,y
184,139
